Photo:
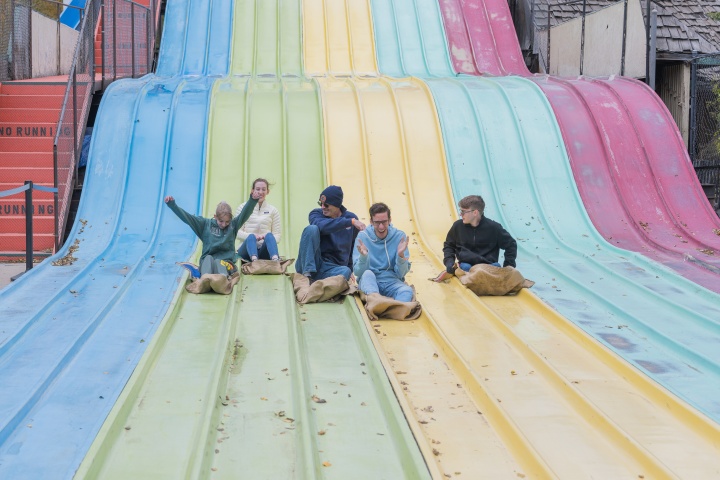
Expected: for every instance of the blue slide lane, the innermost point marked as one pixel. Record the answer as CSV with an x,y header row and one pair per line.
x,y
502,141
71,335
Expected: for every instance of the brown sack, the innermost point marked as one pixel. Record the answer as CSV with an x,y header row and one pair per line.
x,y
266,267
215,282
491,280
378,307
320,290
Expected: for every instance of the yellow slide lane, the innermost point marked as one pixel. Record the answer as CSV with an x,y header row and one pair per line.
x,y
500,387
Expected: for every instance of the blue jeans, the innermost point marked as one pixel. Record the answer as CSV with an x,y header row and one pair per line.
x,y
310,262
466,266
393,288
249,248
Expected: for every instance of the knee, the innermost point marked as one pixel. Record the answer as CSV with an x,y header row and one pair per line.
x,y
345,272
369,275
405,294
311,231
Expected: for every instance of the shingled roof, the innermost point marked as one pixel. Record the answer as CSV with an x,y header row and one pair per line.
x,y
683,26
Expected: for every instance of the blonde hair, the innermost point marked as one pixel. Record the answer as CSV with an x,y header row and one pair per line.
x,y
223,209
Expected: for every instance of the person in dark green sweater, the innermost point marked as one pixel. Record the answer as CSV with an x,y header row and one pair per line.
x,y
217,234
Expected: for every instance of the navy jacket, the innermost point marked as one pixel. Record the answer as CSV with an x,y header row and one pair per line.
x,y
337,236
479,244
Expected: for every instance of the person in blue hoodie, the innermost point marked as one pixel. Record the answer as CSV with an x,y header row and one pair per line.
x,y
326,244
381,258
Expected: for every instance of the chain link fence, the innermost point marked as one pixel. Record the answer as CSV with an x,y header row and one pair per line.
x,y
15,39
704,143
128,38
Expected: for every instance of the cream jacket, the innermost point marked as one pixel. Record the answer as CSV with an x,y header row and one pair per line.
x,y
265,218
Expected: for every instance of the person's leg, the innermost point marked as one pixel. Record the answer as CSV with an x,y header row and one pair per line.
x,y
397,290
465,266
328,269
309,260
269,248
206,266
368,283
248,249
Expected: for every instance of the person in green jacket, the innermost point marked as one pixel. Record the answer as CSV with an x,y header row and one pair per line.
x,y
217,235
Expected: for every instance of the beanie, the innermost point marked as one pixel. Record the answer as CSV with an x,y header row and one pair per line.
x,y
332,195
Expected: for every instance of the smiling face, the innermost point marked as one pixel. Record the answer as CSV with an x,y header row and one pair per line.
x,y
381,222
260,189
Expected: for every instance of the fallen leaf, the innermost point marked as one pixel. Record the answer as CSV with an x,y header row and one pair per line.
x,y
326,464
321,432
263,398
317,399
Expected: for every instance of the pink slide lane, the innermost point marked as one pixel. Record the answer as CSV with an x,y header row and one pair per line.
x,y
628,159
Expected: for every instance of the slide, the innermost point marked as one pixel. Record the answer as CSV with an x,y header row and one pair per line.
x,y
461,366
564,381
497,137
628,158
74,327
252,382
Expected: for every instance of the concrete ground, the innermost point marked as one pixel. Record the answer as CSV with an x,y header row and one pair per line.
x,y
8,270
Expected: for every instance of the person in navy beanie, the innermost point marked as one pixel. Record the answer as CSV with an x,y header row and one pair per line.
x,y
326,244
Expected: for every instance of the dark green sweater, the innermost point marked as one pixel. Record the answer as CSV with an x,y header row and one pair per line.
x,y
220,243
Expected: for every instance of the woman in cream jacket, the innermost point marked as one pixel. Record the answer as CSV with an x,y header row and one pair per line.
x,y
261,232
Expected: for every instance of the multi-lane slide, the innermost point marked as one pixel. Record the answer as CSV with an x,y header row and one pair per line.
x,y
251,384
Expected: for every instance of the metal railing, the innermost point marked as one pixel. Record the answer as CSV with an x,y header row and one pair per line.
x,y
73,116
28,210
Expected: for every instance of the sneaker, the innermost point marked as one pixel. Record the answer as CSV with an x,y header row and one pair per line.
x,y
192,268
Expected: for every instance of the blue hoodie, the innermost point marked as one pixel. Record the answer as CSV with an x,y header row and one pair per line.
x,y
382,257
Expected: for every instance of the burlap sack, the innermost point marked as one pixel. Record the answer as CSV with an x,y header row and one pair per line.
x,y
378,307
215,282
327,289
266,267
490,280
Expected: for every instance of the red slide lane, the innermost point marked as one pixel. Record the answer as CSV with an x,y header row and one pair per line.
x,y
628,159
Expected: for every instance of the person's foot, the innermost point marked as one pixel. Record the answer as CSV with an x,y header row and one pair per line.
x,y
253,258
275,258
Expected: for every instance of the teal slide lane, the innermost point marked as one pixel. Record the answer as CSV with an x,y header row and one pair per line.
x,y
410,38
502,141
72,334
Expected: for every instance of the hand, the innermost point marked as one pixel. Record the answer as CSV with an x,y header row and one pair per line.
x,y
444,275
361,248
402,246
259,237
169,198
358,224
255,195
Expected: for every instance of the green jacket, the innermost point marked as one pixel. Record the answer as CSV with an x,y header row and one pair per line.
x,y
220,243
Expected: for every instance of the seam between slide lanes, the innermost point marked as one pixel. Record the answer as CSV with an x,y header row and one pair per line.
x,y
582,405
109,431
96,318
697,317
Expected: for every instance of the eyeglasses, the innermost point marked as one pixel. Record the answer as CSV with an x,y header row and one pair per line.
x,y
323,204
381,222
463,212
